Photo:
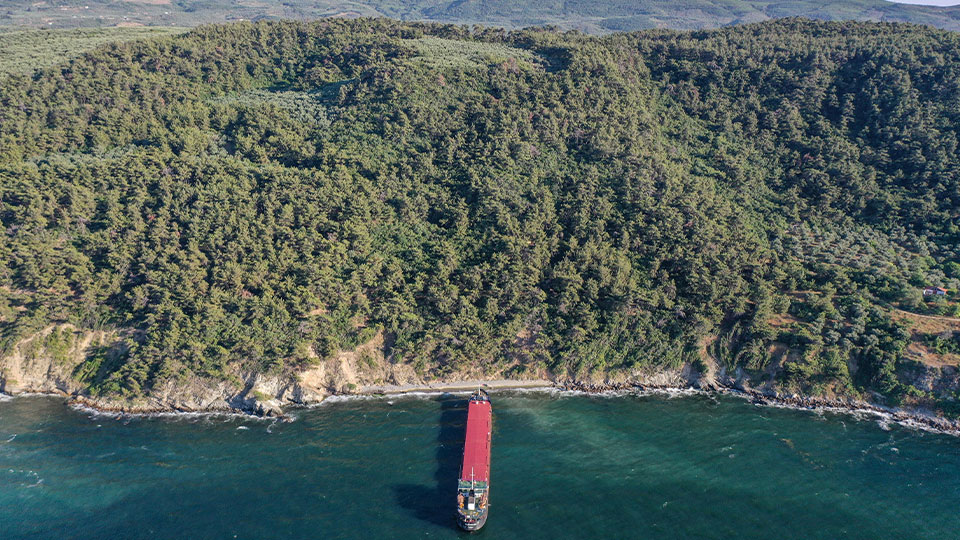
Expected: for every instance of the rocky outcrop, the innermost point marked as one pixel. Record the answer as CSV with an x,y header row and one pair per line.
x,y
46,361
939,380
52,361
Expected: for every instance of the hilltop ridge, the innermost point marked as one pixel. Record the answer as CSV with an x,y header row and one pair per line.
x,y
590,16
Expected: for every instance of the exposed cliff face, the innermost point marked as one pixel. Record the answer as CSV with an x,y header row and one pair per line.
x,y
942,381
53,361
937,373
47,361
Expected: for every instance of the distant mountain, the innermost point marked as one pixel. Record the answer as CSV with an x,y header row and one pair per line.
x,y
594,16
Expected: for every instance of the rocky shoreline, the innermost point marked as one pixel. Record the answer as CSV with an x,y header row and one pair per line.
x,y
920,419
348,374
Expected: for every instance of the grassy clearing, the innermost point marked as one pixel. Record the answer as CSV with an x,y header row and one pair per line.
x,y
925,332
927,324
440,53
24,51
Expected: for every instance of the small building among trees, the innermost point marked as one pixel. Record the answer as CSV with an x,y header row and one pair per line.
x,y
934,291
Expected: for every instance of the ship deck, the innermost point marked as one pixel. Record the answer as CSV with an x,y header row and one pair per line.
x,y
476,445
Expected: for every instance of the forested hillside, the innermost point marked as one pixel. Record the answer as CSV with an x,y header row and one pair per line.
x,y
25,51
260,196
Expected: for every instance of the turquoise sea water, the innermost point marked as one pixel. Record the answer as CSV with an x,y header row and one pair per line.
x,y
563,467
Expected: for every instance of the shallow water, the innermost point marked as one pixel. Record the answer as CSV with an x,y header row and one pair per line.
x,y
563,467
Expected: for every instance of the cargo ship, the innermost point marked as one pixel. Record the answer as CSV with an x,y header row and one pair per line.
x,y
473,490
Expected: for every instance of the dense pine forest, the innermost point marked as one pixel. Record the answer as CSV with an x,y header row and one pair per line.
x,y
768,199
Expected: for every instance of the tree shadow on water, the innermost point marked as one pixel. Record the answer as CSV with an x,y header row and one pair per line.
x,y
436,503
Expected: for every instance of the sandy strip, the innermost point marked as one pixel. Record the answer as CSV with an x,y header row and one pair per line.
x,y
458,386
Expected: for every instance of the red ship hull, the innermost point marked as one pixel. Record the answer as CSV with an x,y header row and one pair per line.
x,y
473,491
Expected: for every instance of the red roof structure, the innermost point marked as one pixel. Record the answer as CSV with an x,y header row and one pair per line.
x,y
939,291
476,445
